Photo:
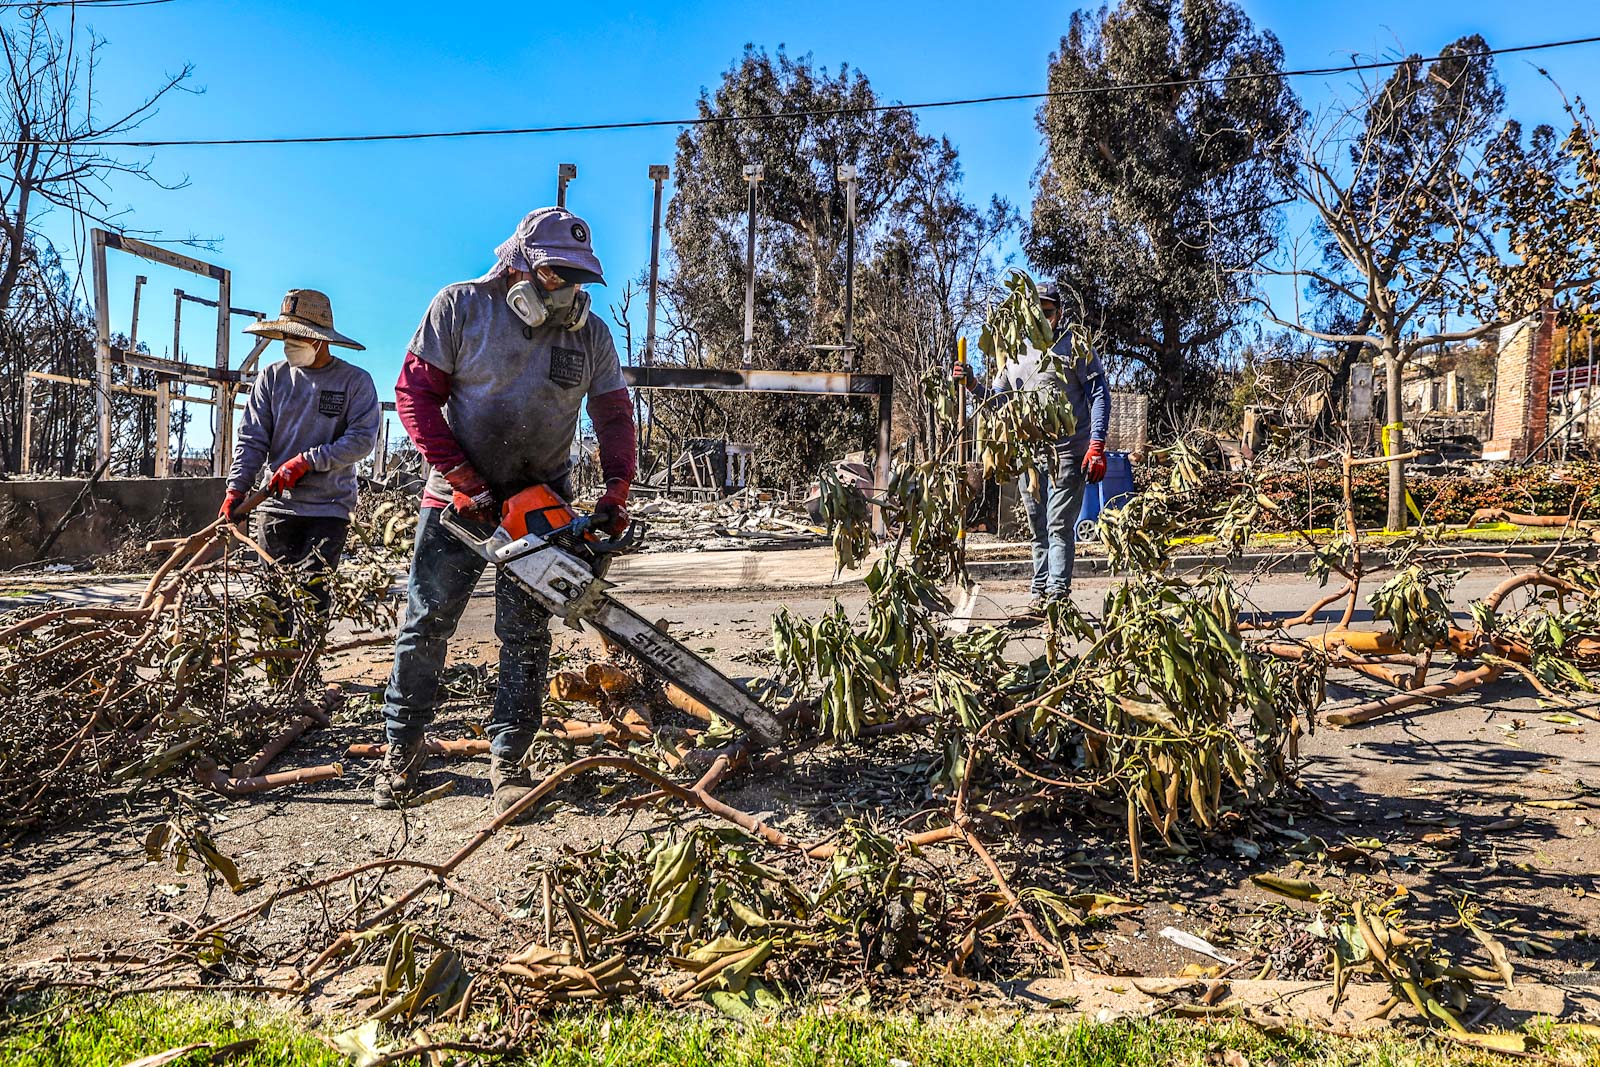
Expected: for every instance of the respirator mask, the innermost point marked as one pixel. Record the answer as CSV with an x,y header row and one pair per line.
x,y
566,307
299,353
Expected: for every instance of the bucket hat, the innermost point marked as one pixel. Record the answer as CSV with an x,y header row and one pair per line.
x,y
306,314
556,238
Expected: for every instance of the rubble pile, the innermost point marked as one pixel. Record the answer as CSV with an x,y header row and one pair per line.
x,y
751,518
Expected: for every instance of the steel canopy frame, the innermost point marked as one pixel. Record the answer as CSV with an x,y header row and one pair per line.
x,y
809,383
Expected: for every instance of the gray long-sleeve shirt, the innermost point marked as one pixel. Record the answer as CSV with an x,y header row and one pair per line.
x,y
1084,382
331,414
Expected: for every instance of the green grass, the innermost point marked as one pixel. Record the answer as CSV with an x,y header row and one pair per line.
x,y
75,1032
140,1026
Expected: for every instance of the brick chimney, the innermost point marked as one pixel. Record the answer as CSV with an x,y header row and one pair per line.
x,y
1522,386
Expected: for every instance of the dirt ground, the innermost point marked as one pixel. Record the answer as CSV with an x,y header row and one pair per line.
x,y
1481,797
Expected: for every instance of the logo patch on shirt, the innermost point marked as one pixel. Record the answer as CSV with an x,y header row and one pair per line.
x,y
567,366
331,404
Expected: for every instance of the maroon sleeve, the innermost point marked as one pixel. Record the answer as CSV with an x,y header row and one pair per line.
x,y
419,399
612,415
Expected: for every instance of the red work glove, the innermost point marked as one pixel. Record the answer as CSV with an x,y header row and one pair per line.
x,y
611,512
289,475
1094,462
962,373
231,500
472,497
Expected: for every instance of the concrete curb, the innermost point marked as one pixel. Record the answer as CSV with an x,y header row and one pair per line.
x,y
1290,562
1105,998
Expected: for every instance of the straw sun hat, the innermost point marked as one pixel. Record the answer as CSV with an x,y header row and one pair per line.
x,y
305,314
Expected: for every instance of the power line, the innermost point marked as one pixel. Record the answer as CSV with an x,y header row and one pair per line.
x,y
786,116
98,5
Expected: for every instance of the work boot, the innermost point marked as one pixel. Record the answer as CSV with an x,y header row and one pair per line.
x,y
398,775
510,780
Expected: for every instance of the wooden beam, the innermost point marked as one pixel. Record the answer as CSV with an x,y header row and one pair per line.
x,y
188,372
248,365
222,446
163,426
155,253
127,390
102,346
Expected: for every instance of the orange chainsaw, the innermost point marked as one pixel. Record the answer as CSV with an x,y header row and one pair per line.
x,y
559,557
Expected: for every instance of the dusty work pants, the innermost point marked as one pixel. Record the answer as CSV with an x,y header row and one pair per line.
x,y
443,574
310,545
1053,519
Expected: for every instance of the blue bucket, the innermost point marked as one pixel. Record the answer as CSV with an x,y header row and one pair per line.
x,y
1114,489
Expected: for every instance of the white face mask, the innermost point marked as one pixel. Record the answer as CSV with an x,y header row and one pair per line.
x,y
299,353
567,307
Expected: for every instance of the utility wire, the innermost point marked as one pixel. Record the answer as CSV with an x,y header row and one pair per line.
x,y
785,116
98,5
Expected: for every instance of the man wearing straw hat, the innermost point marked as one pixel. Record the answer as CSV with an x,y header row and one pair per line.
x,y
491,390
311,418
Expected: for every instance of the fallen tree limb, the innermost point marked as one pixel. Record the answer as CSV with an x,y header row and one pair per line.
x,y
1487,515
46,618
208,774
1018,912
1307,616
1532,578
1460,683
687,704
257,764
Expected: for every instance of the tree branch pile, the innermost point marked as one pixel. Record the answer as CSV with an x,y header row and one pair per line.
x,y
215,661
1173,716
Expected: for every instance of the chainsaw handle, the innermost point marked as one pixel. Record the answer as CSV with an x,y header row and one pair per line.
x,y
574,534
452,521
579,529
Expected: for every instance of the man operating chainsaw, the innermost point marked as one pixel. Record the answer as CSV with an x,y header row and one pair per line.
x,y
490,393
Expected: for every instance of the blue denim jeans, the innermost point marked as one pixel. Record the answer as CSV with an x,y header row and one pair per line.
x,y
1053,518
443,574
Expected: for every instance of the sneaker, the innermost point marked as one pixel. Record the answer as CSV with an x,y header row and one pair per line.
x,y
510,781
399,775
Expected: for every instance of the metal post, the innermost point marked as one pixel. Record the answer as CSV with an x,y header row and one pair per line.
x,y
847,174
380,467
753,173
880,474
26,466
222,446
658,175
565,172
133,331
163,425
102,349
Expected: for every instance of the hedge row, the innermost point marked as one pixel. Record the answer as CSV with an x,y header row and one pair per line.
x,y
1310,499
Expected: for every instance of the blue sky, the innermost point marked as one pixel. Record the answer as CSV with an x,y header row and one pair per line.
x,y
382,227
